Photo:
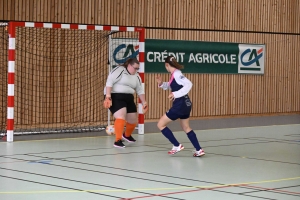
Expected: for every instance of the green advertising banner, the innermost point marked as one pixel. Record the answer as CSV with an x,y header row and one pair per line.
x,y
205,57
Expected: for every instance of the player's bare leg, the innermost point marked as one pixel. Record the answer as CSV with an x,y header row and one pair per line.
x,y
163,122
185,125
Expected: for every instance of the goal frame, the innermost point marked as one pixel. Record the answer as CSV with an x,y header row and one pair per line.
x,y
12,25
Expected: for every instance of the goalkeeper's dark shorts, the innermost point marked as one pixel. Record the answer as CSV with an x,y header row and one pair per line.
x,y
122,100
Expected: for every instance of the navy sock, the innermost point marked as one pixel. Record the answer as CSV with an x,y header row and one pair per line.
x,y
168,134
193,138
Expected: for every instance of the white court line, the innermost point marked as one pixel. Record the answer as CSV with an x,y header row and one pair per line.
x,y
80,138
246,127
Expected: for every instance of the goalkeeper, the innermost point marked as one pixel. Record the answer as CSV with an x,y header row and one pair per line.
x,y
122,82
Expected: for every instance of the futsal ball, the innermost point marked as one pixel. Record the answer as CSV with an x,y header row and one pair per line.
x,y
110,130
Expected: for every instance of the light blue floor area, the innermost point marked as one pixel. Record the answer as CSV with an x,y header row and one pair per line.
x,y
240,163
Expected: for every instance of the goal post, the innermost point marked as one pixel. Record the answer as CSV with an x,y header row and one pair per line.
x,y
57,73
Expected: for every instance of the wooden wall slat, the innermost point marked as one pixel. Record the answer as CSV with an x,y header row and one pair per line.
x,y
3,8
6,9
256,15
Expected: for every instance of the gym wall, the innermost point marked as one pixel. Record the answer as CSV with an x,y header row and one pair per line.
x,y
274,23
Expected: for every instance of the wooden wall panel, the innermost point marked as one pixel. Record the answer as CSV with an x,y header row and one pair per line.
x,y
256,15
274,92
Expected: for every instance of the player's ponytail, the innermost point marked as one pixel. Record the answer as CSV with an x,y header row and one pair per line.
x,y
171,60
130,61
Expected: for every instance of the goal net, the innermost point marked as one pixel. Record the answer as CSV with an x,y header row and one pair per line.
x,y
3,76
57,74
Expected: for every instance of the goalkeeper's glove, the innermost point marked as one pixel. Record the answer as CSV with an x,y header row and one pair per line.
x,y
107,102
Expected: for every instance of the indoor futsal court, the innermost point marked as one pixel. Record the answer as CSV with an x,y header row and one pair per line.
x,y
78,77
246,158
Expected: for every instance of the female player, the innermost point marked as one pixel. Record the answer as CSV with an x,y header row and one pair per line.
x,y
121,84
181,108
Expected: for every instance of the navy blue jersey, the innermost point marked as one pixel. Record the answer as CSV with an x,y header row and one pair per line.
x,y
178,84
180,87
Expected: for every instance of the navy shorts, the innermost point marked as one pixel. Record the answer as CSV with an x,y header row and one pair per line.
x,y
181,109
122,100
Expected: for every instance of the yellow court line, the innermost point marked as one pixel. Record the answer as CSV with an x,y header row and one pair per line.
x,y
152,189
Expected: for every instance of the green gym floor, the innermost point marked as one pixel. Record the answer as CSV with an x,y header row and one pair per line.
x,y
246,159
